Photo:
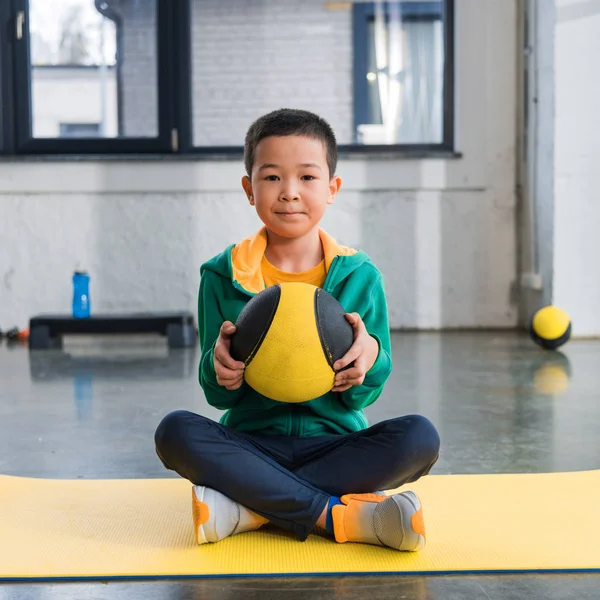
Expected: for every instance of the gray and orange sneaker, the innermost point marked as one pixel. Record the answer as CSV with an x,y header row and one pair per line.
x,y
216,516
393,521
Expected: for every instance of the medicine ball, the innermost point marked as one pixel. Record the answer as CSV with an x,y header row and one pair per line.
x,y
289,336
550,327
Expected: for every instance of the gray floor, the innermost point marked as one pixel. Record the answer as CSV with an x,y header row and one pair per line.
x,y
500,404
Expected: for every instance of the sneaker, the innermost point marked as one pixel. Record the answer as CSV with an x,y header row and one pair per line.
x,y
393,521
216,516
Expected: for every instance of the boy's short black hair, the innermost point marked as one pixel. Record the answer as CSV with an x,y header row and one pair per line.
x,y
290,121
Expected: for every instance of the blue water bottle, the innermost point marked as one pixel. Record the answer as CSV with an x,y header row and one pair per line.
x,y
81,295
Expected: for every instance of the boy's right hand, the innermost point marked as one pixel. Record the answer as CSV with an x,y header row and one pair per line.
x,y
230,373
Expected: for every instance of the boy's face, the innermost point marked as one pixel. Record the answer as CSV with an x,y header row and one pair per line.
x,y
290,185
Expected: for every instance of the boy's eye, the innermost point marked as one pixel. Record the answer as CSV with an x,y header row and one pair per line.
x,y
307,177
271,178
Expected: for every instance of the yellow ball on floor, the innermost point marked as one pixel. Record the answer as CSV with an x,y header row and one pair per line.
x,y
289,337
550,327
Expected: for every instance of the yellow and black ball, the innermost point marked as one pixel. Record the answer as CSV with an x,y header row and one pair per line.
x,y
550,327
289,336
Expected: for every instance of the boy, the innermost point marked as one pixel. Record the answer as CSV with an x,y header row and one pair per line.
x,y
315,464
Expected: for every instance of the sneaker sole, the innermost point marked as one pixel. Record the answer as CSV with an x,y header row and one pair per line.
x,y
417,522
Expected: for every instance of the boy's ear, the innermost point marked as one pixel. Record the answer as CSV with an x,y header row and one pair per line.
x,y
247,185
335,183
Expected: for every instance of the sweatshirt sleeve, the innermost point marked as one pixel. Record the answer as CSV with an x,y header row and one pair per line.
x,y
210,319
375,318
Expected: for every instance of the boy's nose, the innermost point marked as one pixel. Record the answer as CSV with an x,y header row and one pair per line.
x,y
289,192
289,195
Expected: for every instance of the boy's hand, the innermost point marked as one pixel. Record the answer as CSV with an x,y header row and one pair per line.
x,y
230,373
363,352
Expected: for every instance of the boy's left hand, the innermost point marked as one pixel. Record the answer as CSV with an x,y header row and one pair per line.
x,y
363,353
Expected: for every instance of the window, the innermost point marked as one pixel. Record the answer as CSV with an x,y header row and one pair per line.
x,y
158,76
375,71
399,73
87,76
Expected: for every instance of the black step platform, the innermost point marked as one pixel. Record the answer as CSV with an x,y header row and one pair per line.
x,y
46,331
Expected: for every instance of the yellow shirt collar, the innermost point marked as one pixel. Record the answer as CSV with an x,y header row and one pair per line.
x,y
246,258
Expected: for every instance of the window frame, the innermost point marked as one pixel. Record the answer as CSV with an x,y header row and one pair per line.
x,y
174,81
363,13
25,143
6,80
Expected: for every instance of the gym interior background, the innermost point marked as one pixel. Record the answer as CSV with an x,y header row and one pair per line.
x,y
471,179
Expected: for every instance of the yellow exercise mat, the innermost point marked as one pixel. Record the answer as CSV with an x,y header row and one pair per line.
x,y
143,528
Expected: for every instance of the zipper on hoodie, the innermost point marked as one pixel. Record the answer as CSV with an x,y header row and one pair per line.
x,y
329,278
295,425
238,287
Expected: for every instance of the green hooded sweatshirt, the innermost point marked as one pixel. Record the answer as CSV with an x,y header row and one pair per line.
x,y
227,283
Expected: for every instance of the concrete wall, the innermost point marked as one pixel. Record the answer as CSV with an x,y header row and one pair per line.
x,y
442,230
577,177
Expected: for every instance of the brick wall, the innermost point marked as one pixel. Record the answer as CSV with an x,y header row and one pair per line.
x,y
252,56
139,103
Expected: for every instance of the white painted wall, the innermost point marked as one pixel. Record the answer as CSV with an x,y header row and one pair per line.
x,y
441,230
577,155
